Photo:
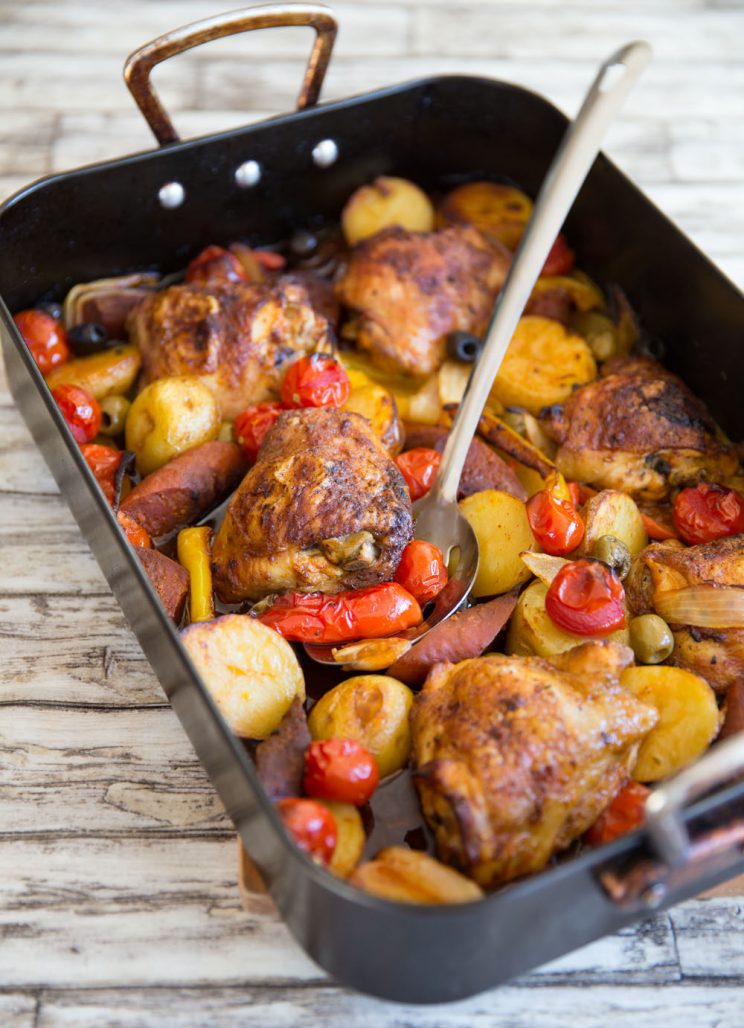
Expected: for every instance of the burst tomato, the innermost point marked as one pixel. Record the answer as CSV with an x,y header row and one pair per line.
x,y
315,381
251,426
419,467
312,826
586,598
45,337
561,258
215,266
708,512
341,770
104,462
626,813
555,523
80,410
422,571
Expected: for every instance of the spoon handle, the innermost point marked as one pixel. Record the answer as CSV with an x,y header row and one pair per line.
x,y
566,174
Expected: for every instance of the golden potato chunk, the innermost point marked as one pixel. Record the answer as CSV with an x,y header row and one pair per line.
x,y
613,513
109,373
497,210
410,876
383,203
350,837
533,633
500,523
168,417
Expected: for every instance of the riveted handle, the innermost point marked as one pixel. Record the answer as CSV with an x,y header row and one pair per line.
x,y
139,65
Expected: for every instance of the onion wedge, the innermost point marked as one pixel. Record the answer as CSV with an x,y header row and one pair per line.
x,y
703,606
542,565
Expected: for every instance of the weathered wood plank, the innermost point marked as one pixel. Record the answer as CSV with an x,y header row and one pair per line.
x,y
18,1010
709,938
23,467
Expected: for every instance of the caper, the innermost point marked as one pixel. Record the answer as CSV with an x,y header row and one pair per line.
x,y
651,639
613,552
114,410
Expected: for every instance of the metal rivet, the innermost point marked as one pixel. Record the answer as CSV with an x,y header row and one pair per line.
x,y
248,174
325,153
171,195
654,895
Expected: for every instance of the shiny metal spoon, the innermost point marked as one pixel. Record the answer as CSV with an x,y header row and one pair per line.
x,y
437,515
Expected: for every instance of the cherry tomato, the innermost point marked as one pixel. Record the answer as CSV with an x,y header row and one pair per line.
x,y
369,613
215,266
45,337
586,598
419,467
422,571
657,527
341,770
626,813
555,524
708,512
104,462
561,258
134,532
80,410
251,426
312,826
315,381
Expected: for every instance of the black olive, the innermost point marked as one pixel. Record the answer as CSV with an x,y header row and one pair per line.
x,y
54,310
303,243
88,337
464,346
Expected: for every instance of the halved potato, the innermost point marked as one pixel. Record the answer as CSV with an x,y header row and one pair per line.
x,y
500,523
109,373
350,837
497,210
251,672
613,513
410,876
383,203
170,416
533,633
689,719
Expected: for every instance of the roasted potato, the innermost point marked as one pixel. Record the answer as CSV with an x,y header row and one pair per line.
x,y
410,876
110,372
373,709
543,364
383,203
169,579
533,633
613,513
688,719
251,672
453,379
500,523
168,417
377,404
583,294
350,837
497,210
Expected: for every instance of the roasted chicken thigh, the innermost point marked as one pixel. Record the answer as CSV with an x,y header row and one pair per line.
x,y
638,429
324,508
516,756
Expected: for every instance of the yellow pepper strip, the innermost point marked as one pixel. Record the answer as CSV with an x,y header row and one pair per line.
x,y
555,484
193,548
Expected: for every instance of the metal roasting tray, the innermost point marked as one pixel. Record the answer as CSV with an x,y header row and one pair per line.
x,y
157,209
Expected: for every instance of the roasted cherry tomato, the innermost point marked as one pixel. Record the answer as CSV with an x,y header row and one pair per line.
x,y
586,598
215,266
312,826
315,381
658,526
708,512
134,532
626,813
561,258
369,613
341,770
45,337
251,426
553,518
419,467
422,571
104,462
80,410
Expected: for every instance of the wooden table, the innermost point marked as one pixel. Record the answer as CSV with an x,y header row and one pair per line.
x,y
117,863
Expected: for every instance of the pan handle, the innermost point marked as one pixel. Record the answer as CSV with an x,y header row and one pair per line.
x,y
139,64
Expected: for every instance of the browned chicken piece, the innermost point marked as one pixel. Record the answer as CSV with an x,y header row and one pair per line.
x,y
638,429
324,508
408,290
235,337
715,654
515,757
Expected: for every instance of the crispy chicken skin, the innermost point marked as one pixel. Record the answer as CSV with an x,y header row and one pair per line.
x,y
324,508
408,290
235,337
715,654
638,429
515,757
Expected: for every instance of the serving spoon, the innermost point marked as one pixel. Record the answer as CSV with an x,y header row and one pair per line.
x,y
438,518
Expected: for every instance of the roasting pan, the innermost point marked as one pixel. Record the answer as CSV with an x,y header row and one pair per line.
x,y
158,209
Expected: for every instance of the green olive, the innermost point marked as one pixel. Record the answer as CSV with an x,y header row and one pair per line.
x,y
114,410
614,553
651,639
599,331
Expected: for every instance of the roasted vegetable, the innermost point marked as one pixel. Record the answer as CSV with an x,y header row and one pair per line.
x,y
168,417
376,403
194,554
114,411
613,513
498,211
650,639
409,876
350,837
531,630
383,203
110,372
503,531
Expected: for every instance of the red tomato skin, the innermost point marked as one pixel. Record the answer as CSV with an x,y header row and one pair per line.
x,y
80,410
707,512
422,571
655,530
586,598
315,381
251,426
561,258
555,524
45,337
419,467
104,462
626,812
215,266
312,826
341,770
